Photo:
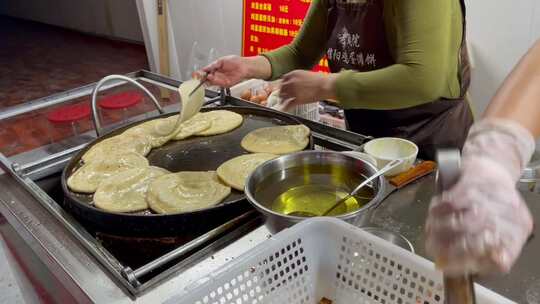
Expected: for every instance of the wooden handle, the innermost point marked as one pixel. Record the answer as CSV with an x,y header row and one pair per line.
x,y
405,178
163,39
459,290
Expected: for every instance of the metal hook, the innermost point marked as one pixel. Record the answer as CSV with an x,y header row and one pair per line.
x,y
95,118
223,93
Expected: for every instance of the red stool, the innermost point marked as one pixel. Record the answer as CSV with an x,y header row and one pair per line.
x,y
120,101
69,115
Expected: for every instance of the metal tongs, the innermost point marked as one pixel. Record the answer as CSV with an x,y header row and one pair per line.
x,y
202,81
457,289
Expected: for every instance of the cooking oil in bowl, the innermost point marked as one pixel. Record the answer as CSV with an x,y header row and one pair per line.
x,y
313,189
314,200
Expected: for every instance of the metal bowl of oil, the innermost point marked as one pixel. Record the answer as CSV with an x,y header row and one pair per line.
x,y
310,182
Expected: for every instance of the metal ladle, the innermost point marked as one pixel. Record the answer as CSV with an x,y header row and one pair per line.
x,y
391,165
457,289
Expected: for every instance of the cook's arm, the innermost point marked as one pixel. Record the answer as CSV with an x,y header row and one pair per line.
x,y
518,98
303,53
423,50
308,46
482,223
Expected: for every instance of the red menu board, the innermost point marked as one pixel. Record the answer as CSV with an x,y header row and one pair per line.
x,y
269,24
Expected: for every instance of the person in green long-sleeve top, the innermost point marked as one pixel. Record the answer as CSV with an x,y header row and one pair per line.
x,y
398,67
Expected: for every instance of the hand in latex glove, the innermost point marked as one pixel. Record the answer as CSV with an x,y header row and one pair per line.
x,y
482,223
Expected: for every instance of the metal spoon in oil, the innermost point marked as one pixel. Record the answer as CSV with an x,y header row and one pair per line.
x,y
391,165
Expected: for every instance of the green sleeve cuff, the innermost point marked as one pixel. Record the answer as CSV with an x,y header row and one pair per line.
x,y
345,95
271,56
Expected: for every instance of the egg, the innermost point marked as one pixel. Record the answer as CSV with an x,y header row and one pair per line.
x,y
246,95
268,90
256,99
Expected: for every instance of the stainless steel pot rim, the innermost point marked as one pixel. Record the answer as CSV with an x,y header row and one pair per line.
x,y
371,205
374,230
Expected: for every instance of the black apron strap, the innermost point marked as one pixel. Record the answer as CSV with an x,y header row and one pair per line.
x,y
464,63
440,123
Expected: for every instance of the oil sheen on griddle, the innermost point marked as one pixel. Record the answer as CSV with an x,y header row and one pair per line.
x,y
313,189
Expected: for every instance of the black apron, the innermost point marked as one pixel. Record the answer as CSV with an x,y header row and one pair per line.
x,y
357,41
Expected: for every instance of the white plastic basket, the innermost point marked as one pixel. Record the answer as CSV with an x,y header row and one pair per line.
x,y
325,257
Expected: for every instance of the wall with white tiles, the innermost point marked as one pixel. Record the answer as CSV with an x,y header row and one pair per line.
x,y
499,33
211,29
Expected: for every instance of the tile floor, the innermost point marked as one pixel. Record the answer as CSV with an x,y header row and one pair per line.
x,y
37,60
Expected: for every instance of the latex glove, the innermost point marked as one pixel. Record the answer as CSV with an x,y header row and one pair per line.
x,y
482,223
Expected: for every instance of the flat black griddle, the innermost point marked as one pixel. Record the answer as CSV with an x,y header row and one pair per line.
x,y
193,154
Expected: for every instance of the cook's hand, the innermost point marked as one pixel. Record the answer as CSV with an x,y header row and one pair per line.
x,y
302,87
482,223
226,71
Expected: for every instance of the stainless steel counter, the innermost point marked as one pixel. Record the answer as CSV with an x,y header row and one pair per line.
x,y
406,210
82,276
65,260
67,271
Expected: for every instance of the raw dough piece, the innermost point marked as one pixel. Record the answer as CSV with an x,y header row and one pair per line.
x,y
235,171
190,127
118,145
125,191
87,178
277,140
185,191
222,121
157,131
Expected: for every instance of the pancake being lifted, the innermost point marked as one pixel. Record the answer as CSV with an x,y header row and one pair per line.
x,y
126,191
235,171
277,140
221,121
191,105
118,145
88,177
185,191
160,131
192,126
